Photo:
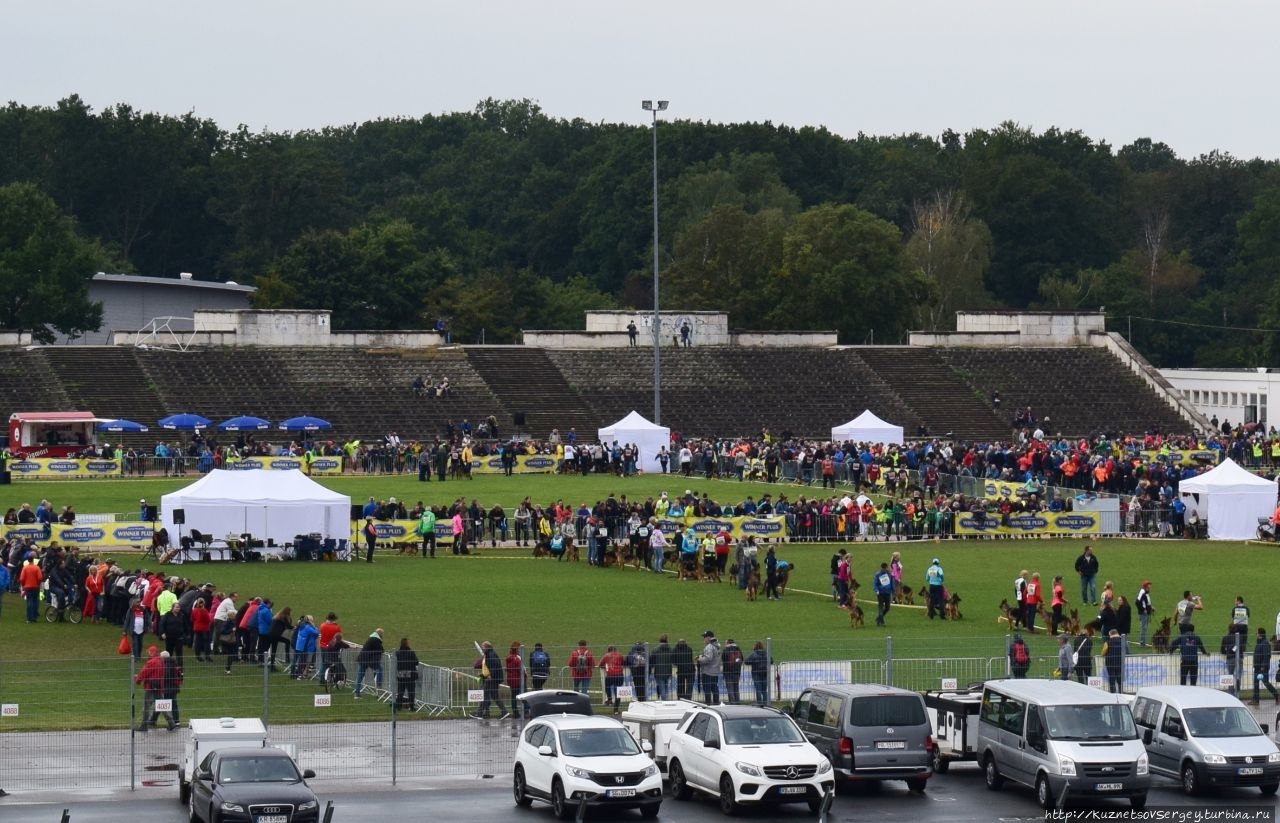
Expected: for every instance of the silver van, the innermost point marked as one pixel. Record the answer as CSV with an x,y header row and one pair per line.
x,y
869,732
1204,737
1062,738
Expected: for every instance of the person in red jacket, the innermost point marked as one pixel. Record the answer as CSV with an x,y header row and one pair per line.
x,y
202,631
611,663
1032,598
30,579
151,679
514,667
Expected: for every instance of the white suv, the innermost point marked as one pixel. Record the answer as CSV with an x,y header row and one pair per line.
x,y
746,755
566,758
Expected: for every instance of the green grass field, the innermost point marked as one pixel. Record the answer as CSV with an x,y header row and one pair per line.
x,y
503,595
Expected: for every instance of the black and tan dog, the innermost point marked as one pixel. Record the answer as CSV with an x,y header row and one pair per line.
x,y
904,597
1006,613
753,582
1160,640
856,614
953,607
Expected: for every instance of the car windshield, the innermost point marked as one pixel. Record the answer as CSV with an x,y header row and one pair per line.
x,y
597,742
754,731
1228,721
257,770
1106,722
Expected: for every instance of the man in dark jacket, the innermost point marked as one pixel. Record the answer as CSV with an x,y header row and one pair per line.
x,y
172,630
731,658
1262,667
370,657
1190,645
660,664
638,664
490,666
682,659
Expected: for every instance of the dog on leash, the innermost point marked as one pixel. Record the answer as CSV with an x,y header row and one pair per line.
x,y
953,607
904,597
784,575
1006,613
753,582
1160,640
856,614
1072,625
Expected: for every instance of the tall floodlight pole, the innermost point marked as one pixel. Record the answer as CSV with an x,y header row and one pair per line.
x,y
655,107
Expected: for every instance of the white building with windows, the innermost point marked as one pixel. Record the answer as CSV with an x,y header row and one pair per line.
x,y
1232,396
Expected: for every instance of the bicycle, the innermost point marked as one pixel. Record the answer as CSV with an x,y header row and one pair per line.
x,y
55,611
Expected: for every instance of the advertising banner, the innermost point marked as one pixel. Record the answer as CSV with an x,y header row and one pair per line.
x,y
400,531
762,527
525,464
1039,523
105,535
319,466
63,468
1195,457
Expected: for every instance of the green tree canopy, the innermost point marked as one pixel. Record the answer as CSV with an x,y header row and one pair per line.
x,y
45,267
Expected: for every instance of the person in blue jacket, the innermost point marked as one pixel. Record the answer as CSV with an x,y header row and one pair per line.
x,y
304,646
263,617
883,584
933,577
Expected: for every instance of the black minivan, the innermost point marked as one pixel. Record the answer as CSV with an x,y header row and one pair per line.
x,y
869,732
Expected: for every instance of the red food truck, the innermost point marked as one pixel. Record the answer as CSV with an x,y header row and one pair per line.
x,y
51,434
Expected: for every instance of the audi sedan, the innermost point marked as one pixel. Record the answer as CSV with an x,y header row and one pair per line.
x,y
252,786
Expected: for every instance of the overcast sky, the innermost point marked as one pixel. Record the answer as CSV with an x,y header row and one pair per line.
x,y
1196,75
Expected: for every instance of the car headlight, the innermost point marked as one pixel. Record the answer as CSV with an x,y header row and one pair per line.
x,y
232,807
1274,757
581,774
308,806
1066,767
824,766
1142,764
651,771
1215,758
748,768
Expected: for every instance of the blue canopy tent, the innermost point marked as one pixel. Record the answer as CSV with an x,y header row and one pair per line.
x,y
185,422
244,423
305,423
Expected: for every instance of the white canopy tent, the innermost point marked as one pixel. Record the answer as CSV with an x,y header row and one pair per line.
x,y
275,505
648,437
1230,499
867,428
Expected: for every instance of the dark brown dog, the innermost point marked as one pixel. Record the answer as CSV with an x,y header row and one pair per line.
x,y
953,608
753,583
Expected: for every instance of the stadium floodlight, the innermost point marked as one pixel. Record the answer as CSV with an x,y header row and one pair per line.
x,y
661,105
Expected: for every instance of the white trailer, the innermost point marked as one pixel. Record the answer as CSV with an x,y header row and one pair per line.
x,y
954,717
654,721
208,734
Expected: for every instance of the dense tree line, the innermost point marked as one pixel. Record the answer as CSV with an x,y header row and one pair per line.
x,y
503,218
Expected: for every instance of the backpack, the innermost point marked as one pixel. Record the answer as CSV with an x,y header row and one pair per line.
x,y
539,662
136,587
1020,655
580,665
637,659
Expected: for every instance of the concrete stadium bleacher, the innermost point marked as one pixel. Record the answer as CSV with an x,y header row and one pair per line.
x,y
709,390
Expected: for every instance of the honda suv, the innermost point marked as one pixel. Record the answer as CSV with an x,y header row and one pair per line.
x,y
746,755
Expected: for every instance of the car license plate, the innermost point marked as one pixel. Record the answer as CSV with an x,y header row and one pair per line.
x,y
1249,770
793,790
1108,787
891,744
272,818
621,793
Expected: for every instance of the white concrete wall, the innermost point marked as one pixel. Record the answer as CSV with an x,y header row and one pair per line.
x,y
989,340
615,340
784,338
1234,389
14,338
1035,328
709,328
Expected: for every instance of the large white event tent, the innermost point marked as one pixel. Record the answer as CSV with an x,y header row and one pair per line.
x,y
867,428
1230,499
275,505
648,437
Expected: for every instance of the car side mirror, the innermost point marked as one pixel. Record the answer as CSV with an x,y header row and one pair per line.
x,y
646,746
1147,736
204,774
711,744
545,751
308,774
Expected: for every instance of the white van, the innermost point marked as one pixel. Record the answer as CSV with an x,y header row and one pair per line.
x,y
1204,737
1062,738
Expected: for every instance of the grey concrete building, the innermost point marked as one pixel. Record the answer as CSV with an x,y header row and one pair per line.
x,y
130,302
